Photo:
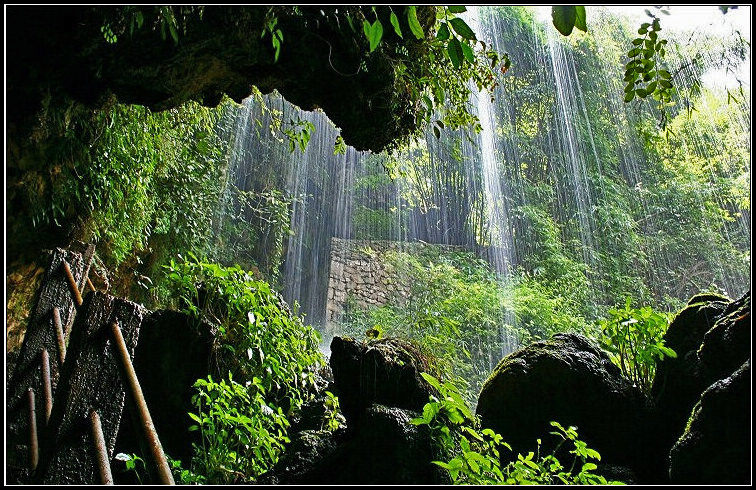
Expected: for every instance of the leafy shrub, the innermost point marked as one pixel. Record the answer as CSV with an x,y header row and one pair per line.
x,y
476,452
633,336
242,435
264,346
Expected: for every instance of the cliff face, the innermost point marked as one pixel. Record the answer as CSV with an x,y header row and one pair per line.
x,y
323,61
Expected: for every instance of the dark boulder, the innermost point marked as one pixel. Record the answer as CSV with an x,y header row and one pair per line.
x,y
711,337
728,343
306,452
385,371
173,352
569,379
716,446
708,298
384,449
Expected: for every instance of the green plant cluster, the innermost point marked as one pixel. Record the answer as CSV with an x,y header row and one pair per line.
x,y
242,435
267,358
477,453
634,336
645,72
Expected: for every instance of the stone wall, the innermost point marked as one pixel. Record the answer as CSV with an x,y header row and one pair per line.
x,y
358,271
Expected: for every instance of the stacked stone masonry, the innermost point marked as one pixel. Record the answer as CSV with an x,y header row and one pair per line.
x,y
359,273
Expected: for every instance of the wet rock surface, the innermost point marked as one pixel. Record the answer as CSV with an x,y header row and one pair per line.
x,y
380,391
384,448
568,379
716,445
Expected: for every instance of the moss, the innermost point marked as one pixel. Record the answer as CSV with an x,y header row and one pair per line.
x,y
23,281
707,298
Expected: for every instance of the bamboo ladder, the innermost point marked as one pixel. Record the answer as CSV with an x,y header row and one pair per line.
x,y
148,432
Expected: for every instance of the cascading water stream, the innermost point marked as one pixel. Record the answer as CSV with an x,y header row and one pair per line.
x,y
475,191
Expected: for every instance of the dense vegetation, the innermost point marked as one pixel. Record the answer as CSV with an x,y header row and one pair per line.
x,y
613,212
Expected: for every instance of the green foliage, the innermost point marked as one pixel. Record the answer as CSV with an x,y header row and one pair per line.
x,y
567,17
457,309
645,72
142,186
299,133
276,35
332,419
260,336
271,353
634,336
134,464
255,228
242,435
184,476
476,452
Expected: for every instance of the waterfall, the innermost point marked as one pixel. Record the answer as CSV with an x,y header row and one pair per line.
x,y
557,146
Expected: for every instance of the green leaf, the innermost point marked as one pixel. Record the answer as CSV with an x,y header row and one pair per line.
x,y
580,18
443,32
375,34
564,17
431,380
457,9
468,52
455,52
461,28
629,96
414,24
395,23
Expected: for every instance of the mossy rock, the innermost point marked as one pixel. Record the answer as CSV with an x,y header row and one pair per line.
x,y
708,298
306,451
711,338
385,448
569,379
716,447
218,51
728,343
385,371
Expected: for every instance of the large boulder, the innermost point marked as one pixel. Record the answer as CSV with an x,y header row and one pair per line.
x,y
716,447
173,352
569,379
711,337
385,371
384,449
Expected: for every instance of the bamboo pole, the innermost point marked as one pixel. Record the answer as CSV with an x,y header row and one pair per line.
x,y
150,434
46,385
72,282
33,443
61,335
101,450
